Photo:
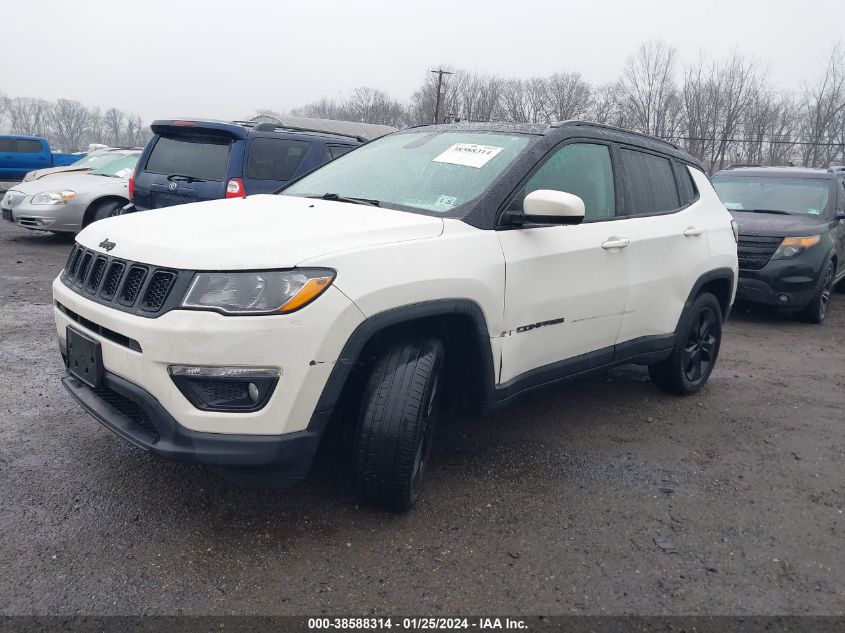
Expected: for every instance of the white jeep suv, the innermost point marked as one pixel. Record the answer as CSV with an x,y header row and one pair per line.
x,y
450,264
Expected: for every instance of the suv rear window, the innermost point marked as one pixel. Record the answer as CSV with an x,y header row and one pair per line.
x,y
274,158
649,182
202,157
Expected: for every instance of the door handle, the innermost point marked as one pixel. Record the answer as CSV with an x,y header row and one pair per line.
x,y
692,231
616,242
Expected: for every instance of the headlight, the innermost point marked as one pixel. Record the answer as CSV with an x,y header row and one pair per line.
x,y
54,197
262,292
794,246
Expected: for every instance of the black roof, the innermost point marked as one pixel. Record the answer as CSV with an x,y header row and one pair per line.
x,y
571,128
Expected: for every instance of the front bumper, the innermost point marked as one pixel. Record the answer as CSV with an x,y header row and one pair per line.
x,y
65,218
782,282
135,415
303,346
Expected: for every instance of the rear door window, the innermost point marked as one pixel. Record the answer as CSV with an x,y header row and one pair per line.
x,y
7,145
201,157
649,183
28,146
274,158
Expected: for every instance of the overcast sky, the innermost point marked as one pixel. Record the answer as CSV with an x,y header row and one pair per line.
x,y
224,59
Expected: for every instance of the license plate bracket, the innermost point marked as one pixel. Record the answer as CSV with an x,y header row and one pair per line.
x,y
7,215
84,358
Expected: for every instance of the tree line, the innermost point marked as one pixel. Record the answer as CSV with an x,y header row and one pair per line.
x,y
69,125
722,111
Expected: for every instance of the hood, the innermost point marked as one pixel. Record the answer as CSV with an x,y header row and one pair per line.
x,y
263,231
777,225
77,181
51,171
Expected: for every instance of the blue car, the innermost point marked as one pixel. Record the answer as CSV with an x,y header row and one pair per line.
x,y
195,160
20,155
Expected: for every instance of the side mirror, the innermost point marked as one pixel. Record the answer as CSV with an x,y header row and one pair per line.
x,y
840,215
547,206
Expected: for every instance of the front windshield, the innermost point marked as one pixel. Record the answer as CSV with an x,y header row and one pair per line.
x,y
427,171
97,159
120,168
797,196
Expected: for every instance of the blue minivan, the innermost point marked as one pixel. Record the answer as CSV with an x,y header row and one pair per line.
x,y
195,160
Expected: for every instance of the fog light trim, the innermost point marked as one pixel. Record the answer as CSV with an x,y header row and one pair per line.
x,y
225,389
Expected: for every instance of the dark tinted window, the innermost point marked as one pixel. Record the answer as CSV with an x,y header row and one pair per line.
x,y
686,186
649,183
339,150
274,158
583,169
203,157
20,146
28,146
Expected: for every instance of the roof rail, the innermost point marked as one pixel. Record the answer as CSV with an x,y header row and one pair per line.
x,y
614,128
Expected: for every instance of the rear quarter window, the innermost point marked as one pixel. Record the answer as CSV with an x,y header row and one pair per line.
x,y
201,157
649,183
274,158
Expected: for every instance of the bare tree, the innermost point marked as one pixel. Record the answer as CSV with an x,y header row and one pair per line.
x,y
716,97
569,96
68,123
113,121
648,89
27,116
607,106
822,111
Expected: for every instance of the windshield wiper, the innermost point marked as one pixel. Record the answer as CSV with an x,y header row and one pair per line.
x,y
777,211
188,179
338,198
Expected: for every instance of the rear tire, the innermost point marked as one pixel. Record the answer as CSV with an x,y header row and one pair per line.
x,y
107,209
816,310
396,423
696,348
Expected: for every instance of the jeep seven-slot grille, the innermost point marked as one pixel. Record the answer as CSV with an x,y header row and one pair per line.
x,y
157,290
96,276
124,285
754,252
132,286
112,281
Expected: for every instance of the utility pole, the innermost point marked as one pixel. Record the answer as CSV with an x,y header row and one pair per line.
x,y
440,72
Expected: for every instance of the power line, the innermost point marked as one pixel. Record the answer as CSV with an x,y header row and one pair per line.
x,y
744,140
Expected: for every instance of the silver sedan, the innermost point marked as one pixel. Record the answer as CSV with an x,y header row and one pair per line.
x,y
66,203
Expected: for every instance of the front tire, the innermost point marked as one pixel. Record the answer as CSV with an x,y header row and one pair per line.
x,y
696,349
816,310
107,209
396,423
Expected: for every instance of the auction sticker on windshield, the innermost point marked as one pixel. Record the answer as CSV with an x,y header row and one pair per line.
x,y
468,154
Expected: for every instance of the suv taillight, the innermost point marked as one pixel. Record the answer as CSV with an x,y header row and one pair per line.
x,y
235,188
132,186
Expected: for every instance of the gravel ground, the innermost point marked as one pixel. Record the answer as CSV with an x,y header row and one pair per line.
x,y
604,496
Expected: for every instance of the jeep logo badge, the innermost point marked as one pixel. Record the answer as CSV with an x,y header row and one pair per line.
x,y
107,245
172,186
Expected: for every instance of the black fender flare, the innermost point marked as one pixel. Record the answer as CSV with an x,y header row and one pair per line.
x,y
711,275
366,330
